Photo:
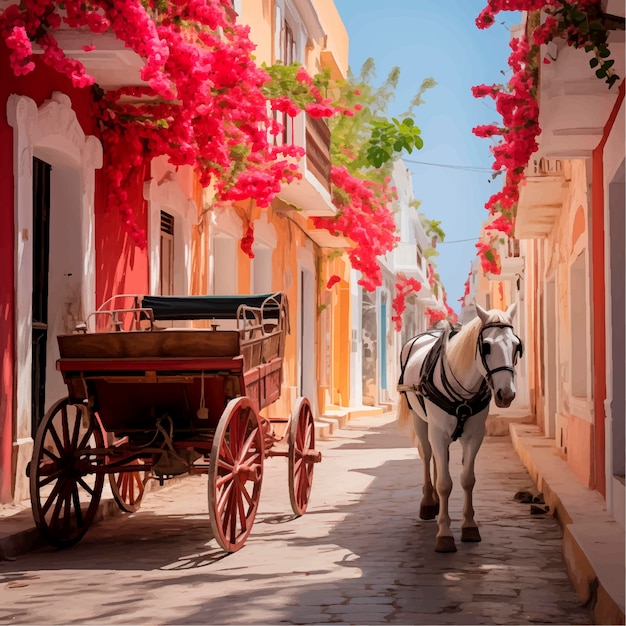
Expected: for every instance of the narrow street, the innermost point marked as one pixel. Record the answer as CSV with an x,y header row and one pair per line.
x,y
360,555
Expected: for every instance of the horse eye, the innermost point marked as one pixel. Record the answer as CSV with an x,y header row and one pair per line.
x,y
486,348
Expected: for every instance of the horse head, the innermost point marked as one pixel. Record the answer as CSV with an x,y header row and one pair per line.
x,y
498,349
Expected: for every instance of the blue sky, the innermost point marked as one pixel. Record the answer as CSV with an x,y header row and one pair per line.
x,y
439,39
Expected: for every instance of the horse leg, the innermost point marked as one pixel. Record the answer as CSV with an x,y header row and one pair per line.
x,y
428,506
470,442
440,443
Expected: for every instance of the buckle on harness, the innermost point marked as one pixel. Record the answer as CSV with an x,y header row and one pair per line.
x,y
463,411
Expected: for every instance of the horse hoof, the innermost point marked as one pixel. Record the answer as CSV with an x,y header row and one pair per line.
x,y
470,533
445,544
429,511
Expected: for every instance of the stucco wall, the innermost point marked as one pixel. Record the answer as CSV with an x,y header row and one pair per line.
x,y
567,243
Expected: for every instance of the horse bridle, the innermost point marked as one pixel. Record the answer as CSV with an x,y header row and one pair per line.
x,y
480,346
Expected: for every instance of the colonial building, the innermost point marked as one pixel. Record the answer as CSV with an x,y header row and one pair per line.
x,y
568,273
63,253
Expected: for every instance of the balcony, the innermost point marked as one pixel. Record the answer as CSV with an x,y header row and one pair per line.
x,y
541,198
406,259
311,194
112,64
574,104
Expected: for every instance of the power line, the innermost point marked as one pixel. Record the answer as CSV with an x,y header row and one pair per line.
x,y
439,243
467,168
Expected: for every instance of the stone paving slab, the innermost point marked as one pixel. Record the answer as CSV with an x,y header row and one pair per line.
x,y
360,555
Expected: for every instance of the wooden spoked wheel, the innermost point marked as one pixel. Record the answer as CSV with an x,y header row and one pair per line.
x,y
65,481
235,474
128,487
302,455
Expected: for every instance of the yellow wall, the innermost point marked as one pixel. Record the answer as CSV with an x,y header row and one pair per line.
x,y
259,16
291,229
335,54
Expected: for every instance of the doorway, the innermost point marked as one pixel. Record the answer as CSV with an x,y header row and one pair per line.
x,y
550,371
306,338
41,266
383,346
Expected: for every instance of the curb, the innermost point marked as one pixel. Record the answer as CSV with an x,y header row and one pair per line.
x,y
27,538
593,542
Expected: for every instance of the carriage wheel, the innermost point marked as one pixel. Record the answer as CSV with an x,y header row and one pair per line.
x,y
128,487
235,474
64,490
302,455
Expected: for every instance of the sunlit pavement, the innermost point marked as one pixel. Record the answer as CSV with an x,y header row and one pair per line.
x,y
360,555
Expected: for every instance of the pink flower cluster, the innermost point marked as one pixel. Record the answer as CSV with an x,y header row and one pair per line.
x,y
516,102
466,289
520,127
433,316
19,43
489,258
366,219
503,224
432,279
203,104
404,286
247,241
332,281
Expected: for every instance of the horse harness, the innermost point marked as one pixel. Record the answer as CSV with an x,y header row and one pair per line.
x,y
448,399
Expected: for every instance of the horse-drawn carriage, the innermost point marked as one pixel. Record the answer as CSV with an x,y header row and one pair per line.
x,y
147,401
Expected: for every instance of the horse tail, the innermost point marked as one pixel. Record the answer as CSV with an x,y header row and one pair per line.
x,y
404,412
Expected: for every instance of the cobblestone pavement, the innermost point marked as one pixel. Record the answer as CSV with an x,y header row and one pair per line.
x,y
360,555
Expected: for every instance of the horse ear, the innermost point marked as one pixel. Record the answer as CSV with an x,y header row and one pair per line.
x,y
484,315
512,310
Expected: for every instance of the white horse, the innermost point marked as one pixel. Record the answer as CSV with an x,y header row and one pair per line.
x,y
447,382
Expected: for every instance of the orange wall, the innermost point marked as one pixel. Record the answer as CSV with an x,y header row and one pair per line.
x,y
579,435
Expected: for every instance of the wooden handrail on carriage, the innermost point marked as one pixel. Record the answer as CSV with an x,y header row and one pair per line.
x,y
261,321
107,318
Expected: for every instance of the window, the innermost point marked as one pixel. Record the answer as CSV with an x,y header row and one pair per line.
x,y
166,279
225,272
261,269
286,53
513,248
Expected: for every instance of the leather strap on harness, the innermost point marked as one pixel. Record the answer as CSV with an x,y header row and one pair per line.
x,y
402,388
448,400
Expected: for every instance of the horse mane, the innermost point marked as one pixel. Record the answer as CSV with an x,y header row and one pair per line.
x,y
461,348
